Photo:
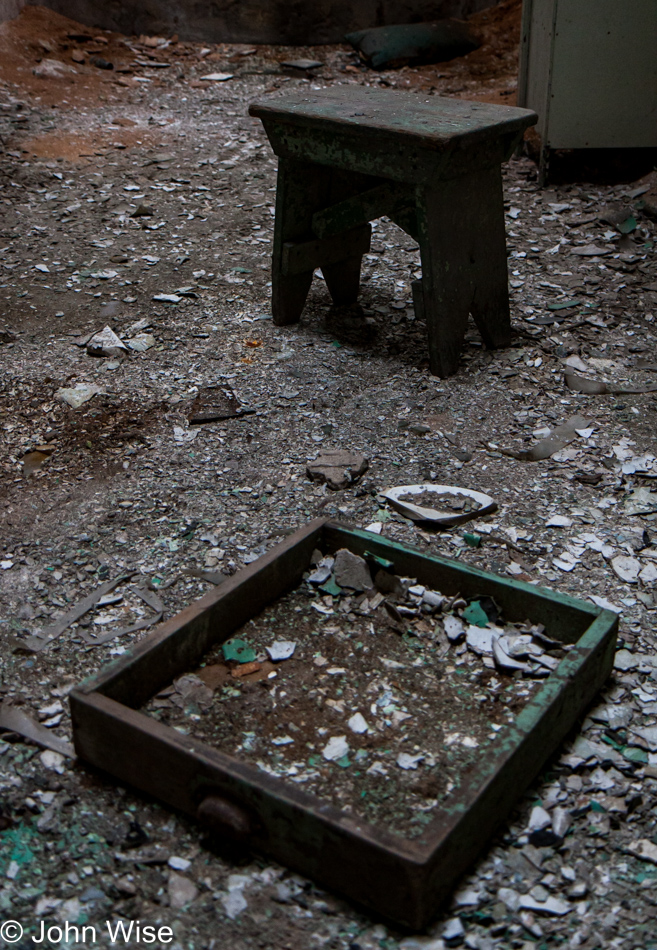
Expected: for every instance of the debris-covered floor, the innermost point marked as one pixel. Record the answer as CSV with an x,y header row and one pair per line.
x,y
140,198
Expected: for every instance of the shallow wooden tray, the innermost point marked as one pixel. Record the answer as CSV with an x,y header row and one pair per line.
x,y
403,880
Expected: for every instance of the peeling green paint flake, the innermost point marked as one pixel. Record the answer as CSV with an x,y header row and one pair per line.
x,y
331,587
15,846
628,225
383,562
472,539
238,651
475,614
635,755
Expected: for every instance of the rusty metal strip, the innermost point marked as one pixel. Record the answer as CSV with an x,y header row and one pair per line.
x,y
15,720
149,598
40,641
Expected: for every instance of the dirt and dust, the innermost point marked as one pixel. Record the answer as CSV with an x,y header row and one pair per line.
x,y
416,710
142,198
444,500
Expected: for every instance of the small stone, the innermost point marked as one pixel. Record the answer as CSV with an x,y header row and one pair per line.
x,y
79,394
504,661
283,893
322,571
281,650
106,343
453,932
125,886
589,250
407,762
625,660
91,894
53,69
479,640
179,864
467,898
649,736
577,891
351,571
182,891
552,907
510,898
47,711
531,925
539,819
561,822
234,903
605,604
302,63
141,342
643,849
337,468
559,521
162,298
52,760
616,717
454,628
358,724
539,893
627,568
69,910
217,77
45,905
420,943
417,590
433,599
335,748
192,690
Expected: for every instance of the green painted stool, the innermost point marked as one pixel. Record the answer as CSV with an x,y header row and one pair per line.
x,y
348,155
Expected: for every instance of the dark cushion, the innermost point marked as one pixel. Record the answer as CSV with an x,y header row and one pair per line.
x,y
414,44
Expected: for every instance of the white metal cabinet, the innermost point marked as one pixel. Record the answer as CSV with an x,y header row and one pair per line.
x,y
589,69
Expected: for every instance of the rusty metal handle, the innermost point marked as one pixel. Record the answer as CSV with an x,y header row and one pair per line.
x,y
224,818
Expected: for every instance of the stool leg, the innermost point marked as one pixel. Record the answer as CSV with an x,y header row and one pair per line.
x,y
490,304
299,194
343,280
463,248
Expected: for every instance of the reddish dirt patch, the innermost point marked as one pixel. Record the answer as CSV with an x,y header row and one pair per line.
x,y
489,74
38,34
78,146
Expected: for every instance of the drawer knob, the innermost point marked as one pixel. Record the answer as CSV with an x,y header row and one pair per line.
x,y
224,818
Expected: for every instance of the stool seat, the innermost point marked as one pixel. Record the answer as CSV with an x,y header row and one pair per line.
x,y
350,154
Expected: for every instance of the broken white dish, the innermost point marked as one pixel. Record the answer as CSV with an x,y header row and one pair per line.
x,y
447,518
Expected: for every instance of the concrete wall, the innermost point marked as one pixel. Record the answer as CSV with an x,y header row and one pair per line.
x,y
10,8
293,22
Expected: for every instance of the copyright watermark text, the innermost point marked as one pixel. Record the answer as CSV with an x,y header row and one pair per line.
x,y
11,931
118,931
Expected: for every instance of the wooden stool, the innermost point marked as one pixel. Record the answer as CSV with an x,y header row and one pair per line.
x,y
348,155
